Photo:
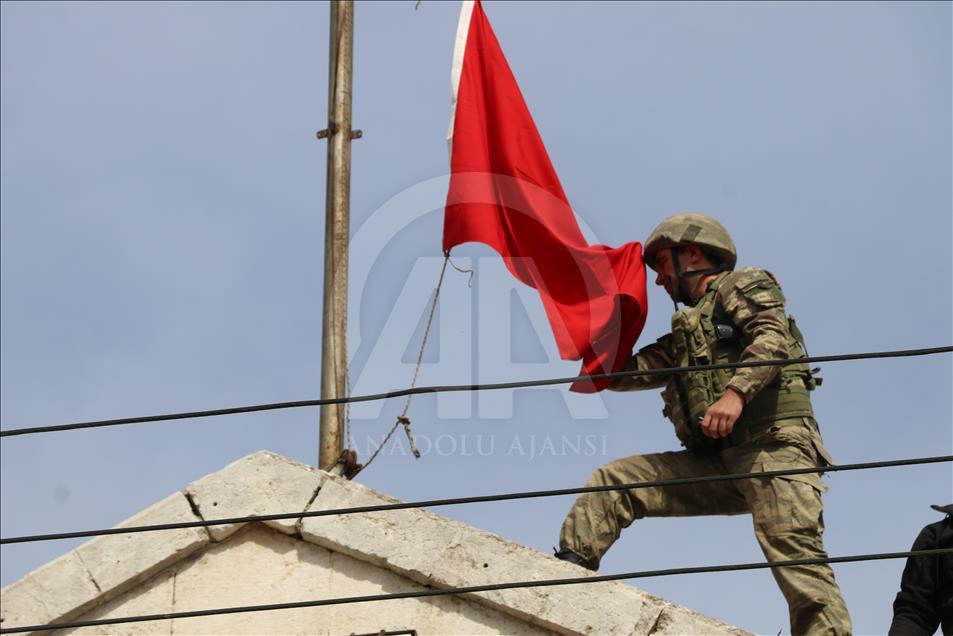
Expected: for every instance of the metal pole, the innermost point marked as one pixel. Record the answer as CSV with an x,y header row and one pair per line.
x,y
334,343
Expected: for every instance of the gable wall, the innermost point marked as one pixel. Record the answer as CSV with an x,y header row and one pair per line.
x,y
259,565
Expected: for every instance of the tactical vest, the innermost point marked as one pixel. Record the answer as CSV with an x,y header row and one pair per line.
x,y
703,335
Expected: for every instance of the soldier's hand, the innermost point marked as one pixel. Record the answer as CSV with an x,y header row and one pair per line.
x,y
721,416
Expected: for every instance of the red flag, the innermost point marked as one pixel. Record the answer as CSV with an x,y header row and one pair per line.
x,y
505,193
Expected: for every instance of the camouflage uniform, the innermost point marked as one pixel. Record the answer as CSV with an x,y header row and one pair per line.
x,y
740,317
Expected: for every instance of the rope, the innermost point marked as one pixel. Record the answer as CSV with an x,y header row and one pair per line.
x,y
462,270
347,413
427,593
433,503
402,419
905,353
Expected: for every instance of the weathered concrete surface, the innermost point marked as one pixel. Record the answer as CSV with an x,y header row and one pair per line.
x,y
440,552
102,568
152,597
259,484
327,557
259,565
57,591
116,562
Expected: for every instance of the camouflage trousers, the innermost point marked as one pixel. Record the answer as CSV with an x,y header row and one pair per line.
x,y
787,511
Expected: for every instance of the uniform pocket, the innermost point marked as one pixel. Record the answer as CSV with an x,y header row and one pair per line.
x,y
790,503
822,452
799,439
811,479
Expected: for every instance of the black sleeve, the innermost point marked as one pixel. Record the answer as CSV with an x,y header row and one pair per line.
x,y
915,608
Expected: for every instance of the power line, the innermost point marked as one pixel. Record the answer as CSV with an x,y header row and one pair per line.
x,y
479,588
471,387
477,499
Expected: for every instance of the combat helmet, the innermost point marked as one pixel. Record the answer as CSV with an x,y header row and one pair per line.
x,y
692,228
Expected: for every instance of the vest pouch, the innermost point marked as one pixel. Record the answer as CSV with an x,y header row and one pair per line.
x,y
687,431
685,405
674,412
799,350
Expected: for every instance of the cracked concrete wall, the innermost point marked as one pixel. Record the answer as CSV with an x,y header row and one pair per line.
x,y
259,565
260,484
102,568
309,558
443,553
105,567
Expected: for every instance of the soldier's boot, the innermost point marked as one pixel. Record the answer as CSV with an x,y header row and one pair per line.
x,y
565,554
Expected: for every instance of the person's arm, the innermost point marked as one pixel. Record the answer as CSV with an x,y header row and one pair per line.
x,y
657,355
914,609
753,300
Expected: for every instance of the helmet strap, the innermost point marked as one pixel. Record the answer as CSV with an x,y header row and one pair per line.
x,y
680,294
680,276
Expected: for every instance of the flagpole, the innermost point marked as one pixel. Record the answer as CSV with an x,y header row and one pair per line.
x,y
339,134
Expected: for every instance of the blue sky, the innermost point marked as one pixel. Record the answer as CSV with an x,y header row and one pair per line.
x,y
162,217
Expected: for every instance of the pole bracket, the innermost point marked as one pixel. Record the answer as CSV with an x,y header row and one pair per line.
x,y
332,129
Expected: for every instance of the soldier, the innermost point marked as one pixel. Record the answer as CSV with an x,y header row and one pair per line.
x,y
729,421
925,599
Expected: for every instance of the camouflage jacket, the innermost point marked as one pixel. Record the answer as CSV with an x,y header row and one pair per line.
x,y
752,300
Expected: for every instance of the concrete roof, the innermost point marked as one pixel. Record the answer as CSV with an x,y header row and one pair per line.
x,y
424,547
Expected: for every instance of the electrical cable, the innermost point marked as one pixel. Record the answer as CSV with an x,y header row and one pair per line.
x,y
479,588
472,387
476,499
